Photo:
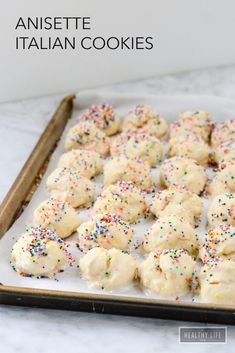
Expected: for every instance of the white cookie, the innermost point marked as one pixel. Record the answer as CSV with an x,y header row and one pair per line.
x,y
177,201
225,152
196,123
88,163
58,216
217,282
171,232
168,273
190,146
179,212
185,172
107,269
69,185
145,120
107,231
219,241
104,117
39,252
222,210
123,199
124,168
133,145
85,135
224,181
223,132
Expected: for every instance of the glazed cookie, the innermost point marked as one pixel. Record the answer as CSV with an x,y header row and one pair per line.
x,y
86,136
145,120
196,123
123,199
223,132
225,152
184,172
171,232
39,252
133,145
222,210
107,231
220,242
167,202
131,169
104,117
189,146
69,185
58,216
217,282
224,180
169,272
88,163
179,212
107,269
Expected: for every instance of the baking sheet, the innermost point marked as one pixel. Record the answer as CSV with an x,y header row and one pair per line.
x,y
70,280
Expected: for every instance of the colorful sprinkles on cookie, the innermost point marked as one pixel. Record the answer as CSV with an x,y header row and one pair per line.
x,y
218,242
35,247
223,132
123,199
104,117
222,210
88,163
145,120
107,230
85,135
134,144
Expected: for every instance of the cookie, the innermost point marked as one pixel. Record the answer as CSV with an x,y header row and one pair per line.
x,y
223,132
217,282
123,168
169,272
222,210
123,199
177,201
104,117
39,252
133,145
107,269
88,163
58,216
190,146
85,135
145,120
224,180
225,152
107,231
69,185
196,123
183,172
218,242
171,232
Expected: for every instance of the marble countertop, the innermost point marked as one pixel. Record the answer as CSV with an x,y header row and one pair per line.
x,y
36,330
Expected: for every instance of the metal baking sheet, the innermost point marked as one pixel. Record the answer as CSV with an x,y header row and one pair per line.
x,y
79,295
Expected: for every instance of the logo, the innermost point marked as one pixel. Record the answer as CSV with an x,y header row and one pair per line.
x,y
203,335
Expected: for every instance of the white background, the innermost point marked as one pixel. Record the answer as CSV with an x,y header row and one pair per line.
x,y
188,35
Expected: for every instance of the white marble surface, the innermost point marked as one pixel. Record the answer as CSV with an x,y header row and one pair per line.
x,y
33,330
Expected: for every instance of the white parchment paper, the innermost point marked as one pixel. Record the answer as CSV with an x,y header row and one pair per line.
x,y
70,280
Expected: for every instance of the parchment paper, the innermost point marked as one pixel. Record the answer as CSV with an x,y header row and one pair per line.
x,y
70,280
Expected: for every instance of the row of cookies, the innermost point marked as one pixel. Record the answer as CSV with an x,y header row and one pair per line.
x,y
216,250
